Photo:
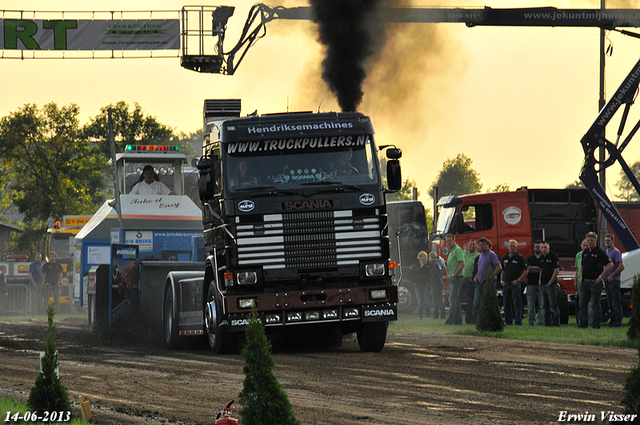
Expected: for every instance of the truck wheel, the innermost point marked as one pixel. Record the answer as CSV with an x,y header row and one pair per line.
x,y
407,300
563,305
372,336
170,321
220,341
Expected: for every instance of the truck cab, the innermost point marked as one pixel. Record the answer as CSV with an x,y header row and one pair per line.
x,y
295,225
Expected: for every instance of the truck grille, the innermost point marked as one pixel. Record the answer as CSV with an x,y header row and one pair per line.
x,y
309,239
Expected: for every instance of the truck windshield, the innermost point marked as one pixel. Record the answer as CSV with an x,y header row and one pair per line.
x,y
445,219
63,245
293,168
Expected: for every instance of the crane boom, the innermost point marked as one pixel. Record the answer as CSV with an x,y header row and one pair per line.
x,y
226,63
595,138
527,16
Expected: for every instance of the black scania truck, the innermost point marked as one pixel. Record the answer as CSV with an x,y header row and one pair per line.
x,y
295,225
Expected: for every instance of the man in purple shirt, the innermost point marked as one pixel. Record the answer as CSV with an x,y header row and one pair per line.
x,y
612,282
488,263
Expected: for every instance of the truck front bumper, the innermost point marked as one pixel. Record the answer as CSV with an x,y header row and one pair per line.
x,y
317,307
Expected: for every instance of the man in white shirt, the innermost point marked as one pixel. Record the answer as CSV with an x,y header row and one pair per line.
x,y
150,186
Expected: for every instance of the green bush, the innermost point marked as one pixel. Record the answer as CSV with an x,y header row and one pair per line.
x,y
634,322
262,399
631,399
48,393
489,317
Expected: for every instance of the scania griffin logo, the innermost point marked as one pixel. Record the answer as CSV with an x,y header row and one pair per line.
x,y
367,199
246,205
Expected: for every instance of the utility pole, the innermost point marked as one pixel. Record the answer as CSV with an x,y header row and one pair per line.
x,y
601,102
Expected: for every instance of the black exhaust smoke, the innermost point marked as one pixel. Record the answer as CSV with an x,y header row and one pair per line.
x,y
347,30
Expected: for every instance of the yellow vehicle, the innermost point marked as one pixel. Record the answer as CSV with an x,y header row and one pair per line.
x,y
61,239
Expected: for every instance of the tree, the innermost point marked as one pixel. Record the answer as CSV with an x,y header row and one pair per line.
x,y
631,399
263,400
48,393
130,127
500,187
457,177
54,170
624,185
576,185
404,194
633,333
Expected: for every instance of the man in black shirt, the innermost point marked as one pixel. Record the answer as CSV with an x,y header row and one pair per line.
x,y
595,264
534,293
549,268
514,270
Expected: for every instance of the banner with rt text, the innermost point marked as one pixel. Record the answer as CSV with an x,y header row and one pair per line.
x,y
32,34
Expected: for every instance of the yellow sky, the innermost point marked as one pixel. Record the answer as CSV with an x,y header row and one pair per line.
x,y
514,100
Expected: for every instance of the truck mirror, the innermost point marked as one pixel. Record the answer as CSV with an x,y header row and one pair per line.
x,y
394,175
203,164
394,153
205,179
459,223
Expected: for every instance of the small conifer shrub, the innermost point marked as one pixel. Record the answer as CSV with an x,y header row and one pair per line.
x,y
489,317
631,399
262,399
48,393
633,333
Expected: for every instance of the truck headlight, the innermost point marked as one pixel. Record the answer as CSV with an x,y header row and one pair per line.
x,y
376,269
247,278
378,294
246,303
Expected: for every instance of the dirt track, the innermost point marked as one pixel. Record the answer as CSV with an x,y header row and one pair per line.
x,y
417,379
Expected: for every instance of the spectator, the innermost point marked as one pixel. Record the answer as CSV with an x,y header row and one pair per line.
x,y
468,285
488,263
421,284
455,264
36,284
150,184
612,282
534,291
595,265
578,264
514,270
4,289
52,271
549,268
436,283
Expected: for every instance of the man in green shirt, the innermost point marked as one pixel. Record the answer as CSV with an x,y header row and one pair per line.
x,y
455,264
468,285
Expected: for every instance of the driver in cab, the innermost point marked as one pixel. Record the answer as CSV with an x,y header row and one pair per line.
x,y
342,165
150,184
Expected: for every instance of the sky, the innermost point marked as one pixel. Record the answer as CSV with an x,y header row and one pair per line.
x,y
515,100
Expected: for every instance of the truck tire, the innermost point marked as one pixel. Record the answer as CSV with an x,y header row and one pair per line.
x,y
407,300
220,340
170,320
563,305
372,336
99,304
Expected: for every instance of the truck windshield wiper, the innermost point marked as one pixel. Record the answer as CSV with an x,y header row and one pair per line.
x,y
338,185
